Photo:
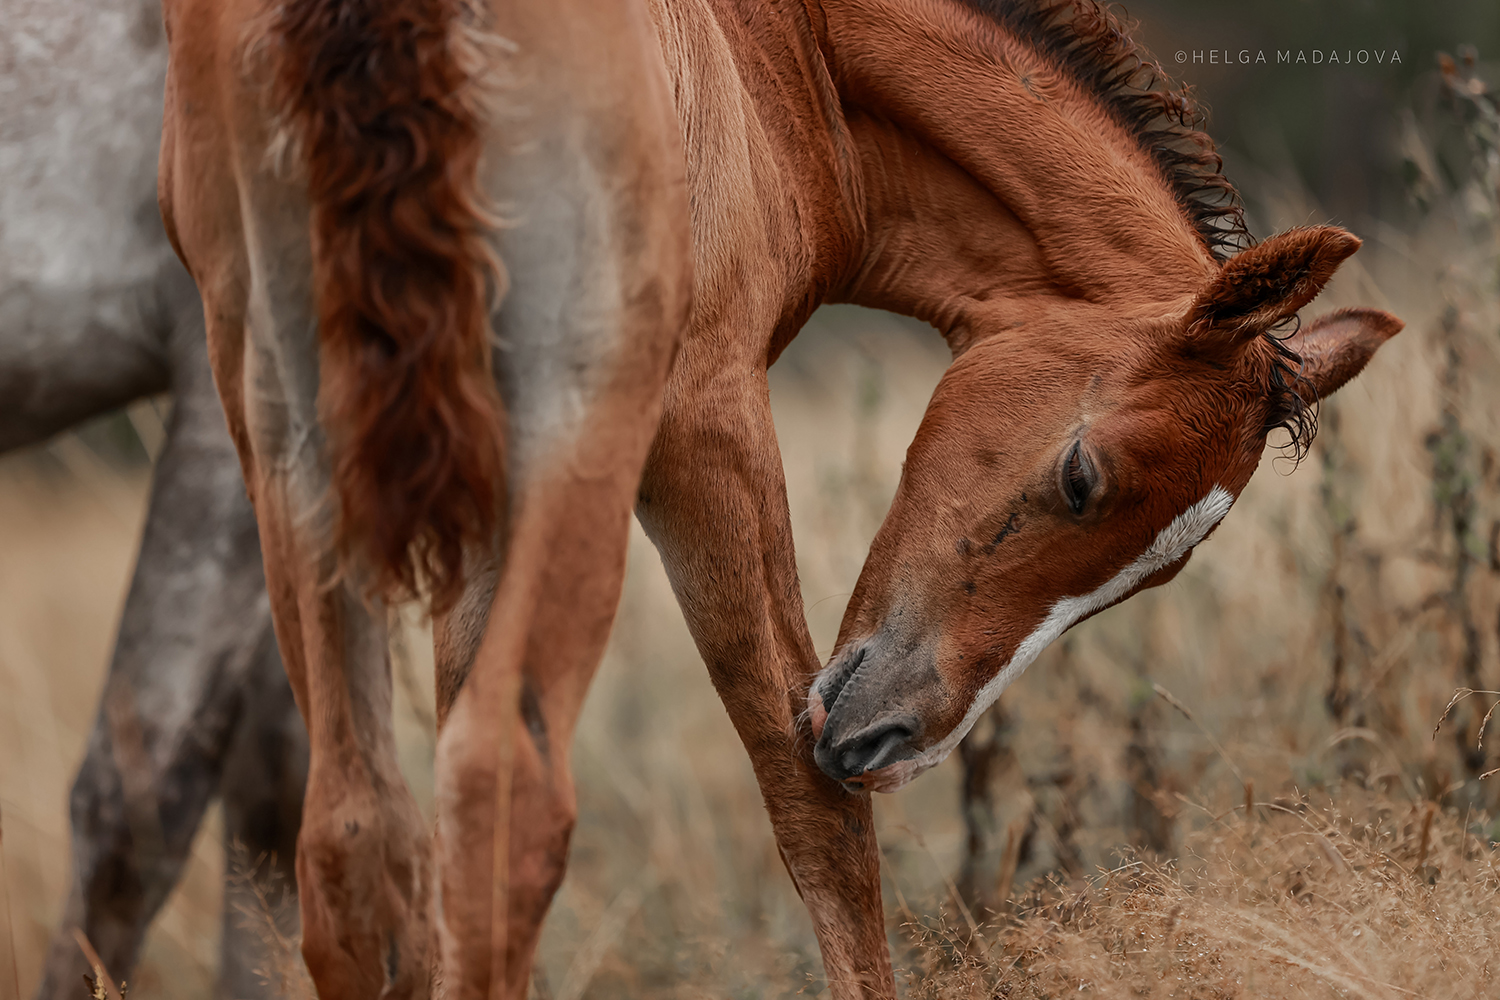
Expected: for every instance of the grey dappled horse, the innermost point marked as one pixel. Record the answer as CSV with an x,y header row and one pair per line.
x,y
95,311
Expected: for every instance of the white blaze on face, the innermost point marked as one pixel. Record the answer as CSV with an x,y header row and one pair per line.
x,y
1174,542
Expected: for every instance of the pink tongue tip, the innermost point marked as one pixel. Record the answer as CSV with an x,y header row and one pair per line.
x,y
819,715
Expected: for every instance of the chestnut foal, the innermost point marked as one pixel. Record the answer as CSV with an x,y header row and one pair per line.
x,y
1009,172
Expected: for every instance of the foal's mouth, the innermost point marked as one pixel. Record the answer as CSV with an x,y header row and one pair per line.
x,y
874,754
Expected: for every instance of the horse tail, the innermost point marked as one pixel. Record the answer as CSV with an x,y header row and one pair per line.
x,y
382,103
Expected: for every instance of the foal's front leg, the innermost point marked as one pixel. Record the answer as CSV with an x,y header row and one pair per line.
x,y
714,501
599,261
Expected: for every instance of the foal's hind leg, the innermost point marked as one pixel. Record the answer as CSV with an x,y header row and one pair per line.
x,y
566,566
362,851
362,864
713,499
599,265
517,666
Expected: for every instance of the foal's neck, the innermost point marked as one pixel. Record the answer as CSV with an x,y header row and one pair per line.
x,y
994,185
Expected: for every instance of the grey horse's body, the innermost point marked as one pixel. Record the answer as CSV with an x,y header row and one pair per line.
x,y
96,311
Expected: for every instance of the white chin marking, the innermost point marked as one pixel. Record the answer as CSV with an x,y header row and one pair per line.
x,y
1174,542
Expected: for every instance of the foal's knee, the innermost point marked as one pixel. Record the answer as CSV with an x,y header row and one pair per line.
x,y
330,876
360,876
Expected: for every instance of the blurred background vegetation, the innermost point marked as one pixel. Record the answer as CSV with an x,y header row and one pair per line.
x,y
1249,753
1343,130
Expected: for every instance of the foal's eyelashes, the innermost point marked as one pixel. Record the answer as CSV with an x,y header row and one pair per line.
x,y
1077,479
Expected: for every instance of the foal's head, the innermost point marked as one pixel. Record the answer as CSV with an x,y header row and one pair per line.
x,y
1063,464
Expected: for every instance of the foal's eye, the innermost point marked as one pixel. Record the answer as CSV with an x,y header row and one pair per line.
x,y
1078,479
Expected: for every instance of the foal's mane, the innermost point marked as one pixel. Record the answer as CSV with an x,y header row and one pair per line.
x,y
1091,44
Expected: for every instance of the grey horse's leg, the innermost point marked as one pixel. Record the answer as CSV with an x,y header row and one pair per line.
x,y
95,312
176,690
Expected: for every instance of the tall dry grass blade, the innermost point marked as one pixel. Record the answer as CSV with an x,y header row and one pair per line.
x,y
1010,860
1172,700
902,907
590,955
1459,694
1428,812
1293,950
1479,745
963,907
1332,853
283,970
10,925
103,984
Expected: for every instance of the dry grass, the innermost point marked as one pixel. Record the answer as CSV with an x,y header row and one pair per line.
x,y
1103,847
1351,897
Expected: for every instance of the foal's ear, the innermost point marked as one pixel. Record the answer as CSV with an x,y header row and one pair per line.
x,y
1268,282
1337,346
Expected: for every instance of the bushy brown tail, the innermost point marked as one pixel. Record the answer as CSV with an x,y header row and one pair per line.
x,y
382,100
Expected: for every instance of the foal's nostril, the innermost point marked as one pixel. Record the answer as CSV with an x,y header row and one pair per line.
x,y
870,750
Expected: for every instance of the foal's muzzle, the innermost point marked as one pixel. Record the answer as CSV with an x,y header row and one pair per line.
x,y
875,747
865,709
